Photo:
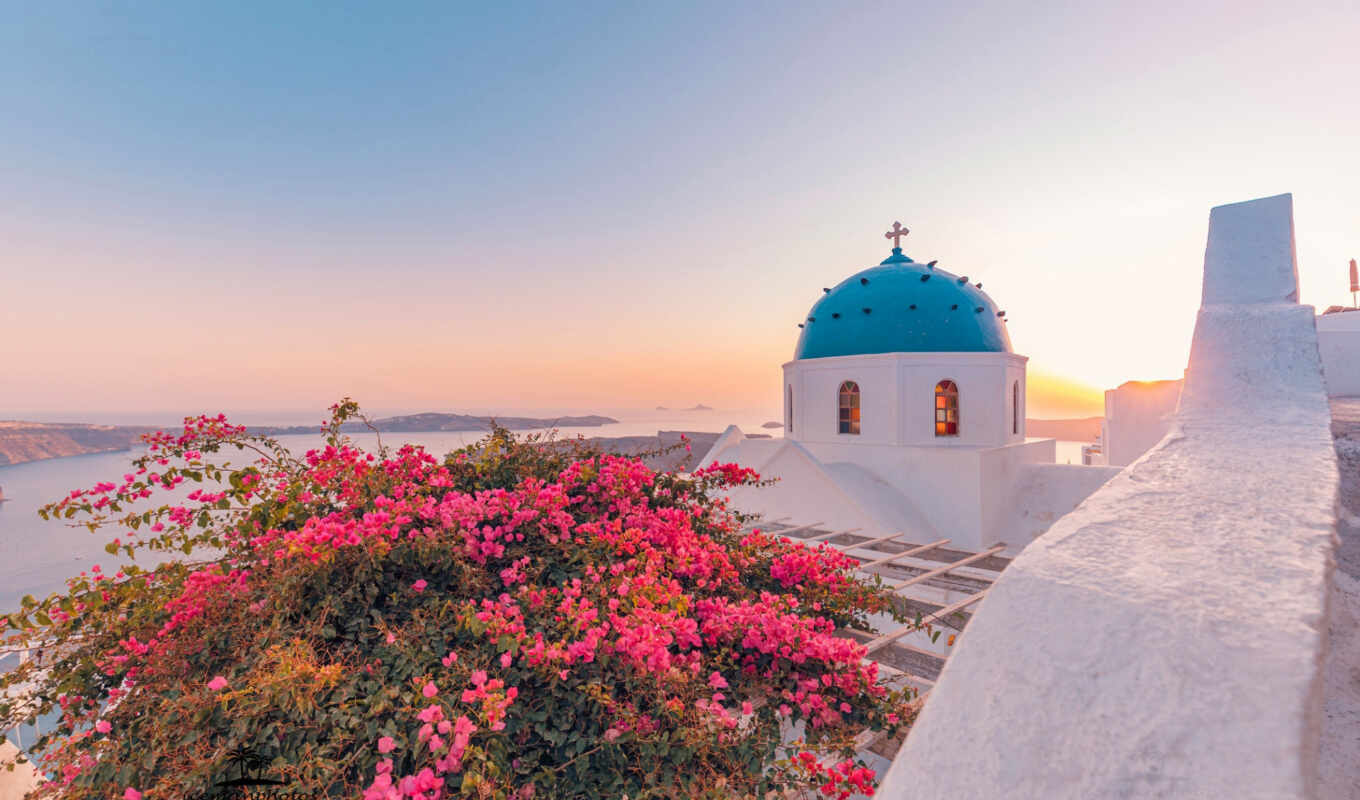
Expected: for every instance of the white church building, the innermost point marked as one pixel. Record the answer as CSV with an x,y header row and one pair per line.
x,y
904,411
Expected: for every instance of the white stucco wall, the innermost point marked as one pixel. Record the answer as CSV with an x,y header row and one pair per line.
x,y
1339,344
975,496
1165,639
1137,415
897,398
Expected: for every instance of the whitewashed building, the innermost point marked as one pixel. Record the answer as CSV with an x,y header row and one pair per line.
x,y
1338,333
904,411
1137,415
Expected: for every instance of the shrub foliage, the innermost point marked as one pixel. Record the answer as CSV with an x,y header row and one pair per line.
x,y
521,618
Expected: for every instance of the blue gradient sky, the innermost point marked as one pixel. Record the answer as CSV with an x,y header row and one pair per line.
x,y
258,206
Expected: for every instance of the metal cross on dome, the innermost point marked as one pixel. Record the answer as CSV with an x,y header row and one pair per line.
x,y
896,235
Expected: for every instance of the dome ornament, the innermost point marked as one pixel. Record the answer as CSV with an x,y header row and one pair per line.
x,y
896,235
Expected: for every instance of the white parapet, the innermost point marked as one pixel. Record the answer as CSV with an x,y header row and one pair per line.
x,y
1249,257
1165,638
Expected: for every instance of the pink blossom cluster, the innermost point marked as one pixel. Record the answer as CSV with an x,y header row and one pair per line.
x,y
665,592
838,781
803,566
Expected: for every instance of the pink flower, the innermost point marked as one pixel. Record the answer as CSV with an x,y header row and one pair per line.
x,y
430,689
391,638
449,659
386,744
506,659
611,734
218,683
103,726
419,585
463,726
717,681
131,794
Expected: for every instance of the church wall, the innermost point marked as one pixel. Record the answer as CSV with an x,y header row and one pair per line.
x,y
897,397
1015,376
1166,639
817,385
999,479
942,483
804,492
983,398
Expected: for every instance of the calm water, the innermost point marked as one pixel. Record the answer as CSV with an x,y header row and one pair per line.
x,y
37,556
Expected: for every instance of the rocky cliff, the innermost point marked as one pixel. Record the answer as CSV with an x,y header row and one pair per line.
x,y
32,441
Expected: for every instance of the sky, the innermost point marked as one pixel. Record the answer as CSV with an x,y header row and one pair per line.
x,y
262,207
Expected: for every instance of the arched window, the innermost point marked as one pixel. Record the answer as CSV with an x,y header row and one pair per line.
x,y
788,426
848,414
1015,407
946,409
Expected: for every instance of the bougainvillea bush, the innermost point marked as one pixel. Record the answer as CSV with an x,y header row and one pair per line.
x,y
517,619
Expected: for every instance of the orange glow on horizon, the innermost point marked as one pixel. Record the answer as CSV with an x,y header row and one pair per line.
x,y
1050,396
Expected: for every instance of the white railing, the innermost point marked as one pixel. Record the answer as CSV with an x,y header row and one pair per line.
x,y
889,557
10,659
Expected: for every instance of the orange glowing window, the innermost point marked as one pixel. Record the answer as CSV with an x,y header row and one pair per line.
x,y
848,408
946,409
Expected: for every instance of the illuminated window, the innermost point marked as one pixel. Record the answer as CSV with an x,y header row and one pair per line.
x,y
1015,407
946,409
849,408
789,426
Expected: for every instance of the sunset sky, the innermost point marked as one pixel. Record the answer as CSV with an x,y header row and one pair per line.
x,y
506,206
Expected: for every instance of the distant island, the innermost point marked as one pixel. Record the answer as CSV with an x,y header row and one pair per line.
x,y
699,407
431,422
21,442
662,408
773,425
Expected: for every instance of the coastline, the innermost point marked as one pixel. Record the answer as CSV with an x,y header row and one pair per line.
x,y
25,442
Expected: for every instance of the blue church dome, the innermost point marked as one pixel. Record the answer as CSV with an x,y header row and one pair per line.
x,y
901,306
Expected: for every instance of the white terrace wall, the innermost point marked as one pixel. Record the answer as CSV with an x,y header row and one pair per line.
x,y
1164,639
1339,344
